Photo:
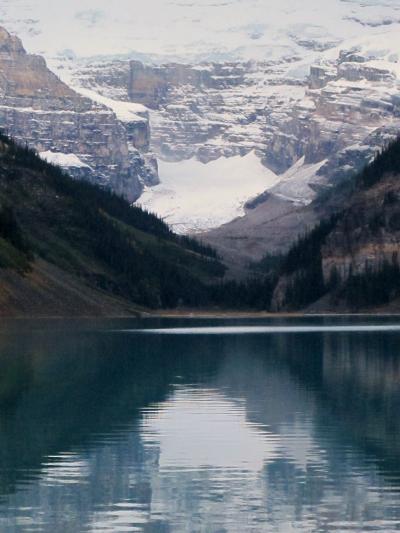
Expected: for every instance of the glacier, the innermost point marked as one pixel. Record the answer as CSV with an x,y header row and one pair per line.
x,y
193,197
197,31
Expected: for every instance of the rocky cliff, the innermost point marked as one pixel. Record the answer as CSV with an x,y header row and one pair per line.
x,y
352,258
314,127
368,234
312,122
155,86
339,114
69,129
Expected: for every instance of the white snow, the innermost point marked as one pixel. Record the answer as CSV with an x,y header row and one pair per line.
x,y
194,196
125,111
382,46
63,160
294,184
197,30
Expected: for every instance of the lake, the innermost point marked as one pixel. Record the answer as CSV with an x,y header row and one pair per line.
x,y
200,425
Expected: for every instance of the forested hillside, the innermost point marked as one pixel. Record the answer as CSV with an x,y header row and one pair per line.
x,y
70,247
351,260
67,244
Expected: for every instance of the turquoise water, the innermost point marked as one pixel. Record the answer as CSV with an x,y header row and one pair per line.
x,y
200,425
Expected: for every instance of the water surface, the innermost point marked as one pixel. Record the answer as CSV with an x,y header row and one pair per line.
x,y
208,426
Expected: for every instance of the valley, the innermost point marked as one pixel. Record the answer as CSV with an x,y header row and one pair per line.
x,y
199,266
239,147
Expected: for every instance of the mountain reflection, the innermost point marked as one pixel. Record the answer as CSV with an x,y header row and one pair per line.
x,y
105,430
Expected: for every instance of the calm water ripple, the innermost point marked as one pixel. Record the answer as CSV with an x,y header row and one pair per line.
x,y
264,426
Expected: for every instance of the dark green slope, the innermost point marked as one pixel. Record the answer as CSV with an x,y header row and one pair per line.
x,y
76,236
350,261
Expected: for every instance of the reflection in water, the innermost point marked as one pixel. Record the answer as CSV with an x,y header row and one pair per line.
x,y
106,430
252,330
201,414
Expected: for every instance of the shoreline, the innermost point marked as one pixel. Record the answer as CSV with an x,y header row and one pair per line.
x,y
200,314
238,315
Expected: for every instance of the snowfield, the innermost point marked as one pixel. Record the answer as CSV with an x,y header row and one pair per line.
x,y
194,196
200,30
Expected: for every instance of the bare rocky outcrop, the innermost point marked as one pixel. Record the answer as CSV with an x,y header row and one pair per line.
x,y
369,233
154,85
213,110
36,107
340,114
362,242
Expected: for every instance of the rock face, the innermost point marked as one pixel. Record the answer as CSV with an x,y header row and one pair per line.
x,y
369,233
154,86
363,243
37,108
290,82
205,111
336,114
147,85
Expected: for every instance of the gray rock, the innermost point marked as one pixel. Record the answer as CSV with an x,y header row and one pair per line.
x,y
39,109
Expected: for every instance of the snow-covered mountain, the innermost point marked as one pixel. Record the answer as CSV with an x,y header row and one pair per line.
x,y
310,124
310,91
201,30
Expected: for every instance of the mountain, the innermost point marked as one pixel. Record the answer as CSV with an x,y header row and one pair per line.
x,y
68,129
68,247
349,261
310,133
254,113
312,116
241,124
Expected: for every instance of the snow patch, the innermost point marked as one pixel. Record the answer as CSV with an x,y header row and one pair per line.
x,y
296,184
63,160
126,112
194,197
